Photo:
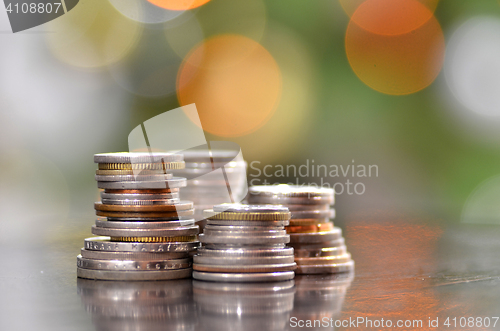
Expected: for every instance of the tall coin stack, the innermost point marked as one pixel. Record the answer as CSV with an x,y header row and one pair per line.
x,y
208,186
319,245
145,230
245,243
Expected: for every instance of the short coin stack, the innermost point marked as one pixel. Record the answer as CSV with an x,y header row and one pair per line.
x,y
208,185
319,245
148,234
245,243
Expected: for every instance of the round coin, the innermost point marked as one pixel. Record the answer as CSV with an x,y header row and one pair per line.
x,y
294,207
317,237
142,191
179,206
253,216
132,178
292,191
154,239
131,172
134,167
168,232
105,244
242,208
320,260
244,240
136,256
325,269
242,260
102,223
309,221
244,277
132,265
245,268
334,243
175,182
321,227
145,215
242,228
245,252
248,223
311,214
124,157
133,275
318,252
140,202
139,196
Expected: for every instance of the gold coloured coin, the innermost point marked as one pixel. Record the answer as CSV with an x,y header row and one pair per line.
x,y
142,166
156,239
251,216
308,221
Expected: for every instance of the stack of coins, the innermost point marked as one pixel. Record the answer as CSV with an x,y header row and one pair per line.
x,y
146,230
319,245
210,175
245,243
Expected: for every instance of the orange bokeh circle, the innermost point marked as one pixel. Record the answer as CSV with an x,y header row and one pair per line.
x,y
396,64
391,17
379,6
234,82
178,4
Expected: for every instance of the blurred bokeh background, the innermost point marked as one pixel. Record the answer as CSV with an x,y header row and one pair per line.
x,y
410,86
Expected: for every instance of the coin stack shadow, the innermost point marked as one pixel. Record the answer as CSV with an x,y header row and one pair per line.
x,y
118,306
244,306
318,245
208,185
149,233
245,243
319,297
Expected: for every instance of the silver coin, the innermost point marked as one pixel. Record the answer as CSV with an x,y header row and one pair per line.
x,y
244,246
295,208
243,260
175,182
215,165
135,256
133,275
323,260
242,208
286,190
324,251
308,214
287,201
104,244
125,157
100,222
243,268
235,171
248,223
308,246
245,252
139,196
140,202
325,269
167,232
243,228
244,277
133,178
316,237
244,240
242,233
124,265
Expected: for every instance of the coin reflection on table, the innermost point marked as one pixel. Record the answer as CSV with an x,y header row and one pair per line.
x,y
158,305
243,306
319,297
